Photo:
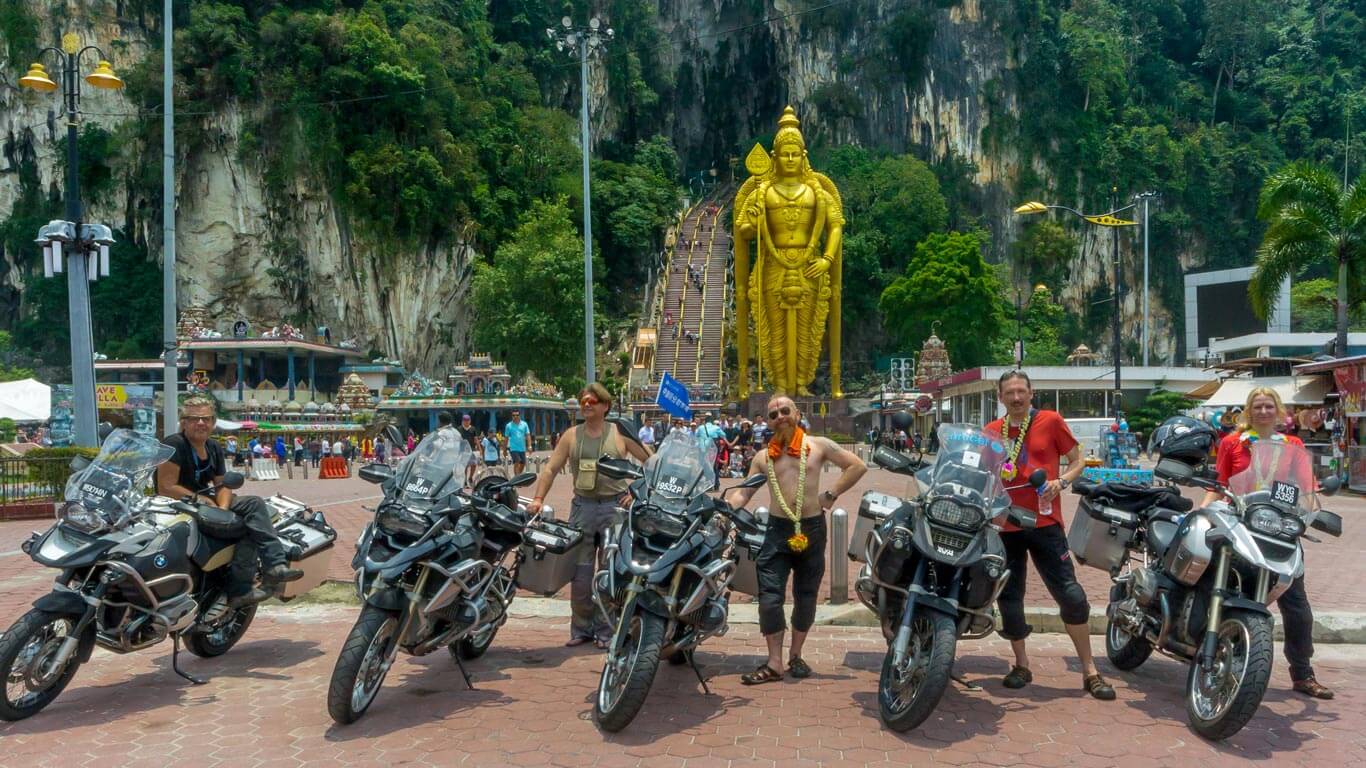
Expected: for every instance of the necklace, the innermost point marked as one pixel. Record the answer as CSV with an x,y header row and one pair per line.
x,y
797,541
1008,469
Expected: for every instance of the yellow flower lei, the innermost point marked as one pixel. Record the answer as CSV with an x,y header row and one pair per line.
x,y
1009,470
797,541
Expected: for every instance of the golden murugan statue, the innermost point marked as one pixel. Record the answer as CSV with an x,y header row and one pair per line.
x,y
795,219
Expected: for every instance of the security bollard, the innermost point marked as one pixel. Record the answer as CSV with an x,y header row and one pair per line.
x,y
839,568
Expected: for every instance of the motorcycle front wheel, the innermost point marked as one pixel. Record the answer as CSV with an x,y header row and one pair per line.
x,y
908,693
1223,695
27,655
223,637
362,664
628,673
476,643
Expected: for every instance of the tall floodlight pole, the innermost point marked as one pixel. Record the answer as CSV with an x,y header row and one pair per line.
x,y
170,416
584,41
1145,197
82,249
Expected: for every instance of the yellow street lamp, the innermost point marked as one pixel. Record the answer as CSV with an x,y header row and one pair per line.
x,y
104,77
37,79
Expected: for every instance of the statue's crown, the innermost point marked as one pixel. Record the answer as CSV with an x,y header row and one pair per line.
x,y
789,127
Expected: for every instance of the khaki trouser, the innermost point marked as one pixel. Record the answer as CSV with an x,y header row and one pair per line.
x,y
594,517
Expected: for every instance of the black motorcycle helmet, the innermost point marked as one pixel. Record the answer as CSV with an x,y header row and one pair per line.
x,y
1184,439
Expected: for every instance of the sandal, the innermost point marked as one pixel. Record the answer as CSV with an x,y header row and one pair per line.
x,y
1098,688
574,642
764,674
798,668
1019,677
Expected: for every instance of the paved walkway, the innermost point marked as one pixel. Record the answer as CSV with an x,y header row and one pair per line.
x,y
264,705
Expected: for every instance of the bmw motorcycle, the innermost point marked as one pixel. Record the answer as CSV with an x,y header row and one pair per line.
x,y
437,567
1196,585
669,569
136,569
934,564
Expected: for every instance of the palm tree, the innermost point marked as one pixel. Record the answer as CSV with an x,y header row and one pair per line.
x,y
1311,217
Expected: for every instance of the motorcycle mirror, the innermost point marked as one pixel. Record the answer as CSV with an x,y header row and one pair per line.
x,y
1037,478
395,436
617,469
628,427
903,420
893,461
753,481
1328,522
233,480
105,430
526,478
376,473
1330,485
1024,518
1171,469
79,463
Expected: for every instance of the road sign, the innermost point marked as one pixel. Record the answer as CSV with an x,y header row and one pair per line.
x,y
923,404
673,397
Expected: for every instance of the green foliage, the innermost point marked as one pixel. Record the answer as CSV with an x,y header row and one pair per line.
x,y
1043,253
8,371
1313,307
52,474
8,430
530,296
1160,405
633,203
948,274
1044,325
19,31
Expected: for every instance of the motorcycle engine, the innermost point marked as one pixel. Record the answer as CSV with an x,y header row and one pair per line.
x,y
1145,586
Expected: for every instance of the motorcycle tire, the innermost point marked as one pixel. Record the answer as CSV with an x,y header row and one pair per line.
x,y
21,635
941,634
1124,650
207,645
1253,632
474,645
368,644
644,643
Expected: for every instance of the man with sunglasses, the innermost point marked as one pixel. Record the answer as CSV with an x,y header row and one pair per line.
x,y
197,465
596,498
795,539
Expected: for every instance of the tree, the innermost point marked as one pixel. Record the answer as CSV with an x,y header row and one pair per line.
x,y
1312,307
947,280
1043,253
8,371
1311,218
529,297
1160,405
1043,325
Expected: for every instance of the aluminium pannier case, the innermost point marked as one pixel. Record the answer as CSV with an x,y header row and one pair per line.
x,y
746,578
552,550
873,508
316,540
1100,535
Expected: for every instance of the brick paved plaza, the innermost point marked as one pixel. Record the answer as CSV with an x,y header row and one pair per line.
x,y
265,701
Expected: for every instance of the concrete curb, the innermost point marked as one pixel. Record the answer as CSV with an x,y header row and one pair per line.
x,y
1330,627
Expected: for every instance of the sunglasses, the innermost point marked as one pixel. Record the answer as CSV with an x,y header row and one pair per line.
x,y
784,411
589,401
199,419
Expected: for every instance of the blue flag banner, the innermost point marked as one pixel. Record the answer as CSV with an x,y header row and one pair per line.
x,y
673,397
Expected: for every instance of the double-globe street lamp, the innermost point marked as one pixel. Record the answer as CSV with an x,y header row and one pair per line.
x,y
1110,220
583,41
83,247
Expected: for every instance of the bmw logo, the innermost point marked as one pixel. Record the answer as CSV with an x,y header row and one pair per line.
x,y
159,561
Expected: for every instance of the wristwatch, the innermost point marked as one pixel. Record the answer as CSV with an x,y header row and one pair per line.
x,y
1063,483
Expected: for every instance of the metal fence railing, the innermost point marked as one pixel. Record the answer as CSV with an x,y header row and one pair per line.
x,y
29,480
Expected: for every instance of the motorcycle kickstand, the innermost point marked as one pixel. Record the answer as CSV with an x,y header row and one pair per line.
x,y
692,662
963,681
463,673
175,662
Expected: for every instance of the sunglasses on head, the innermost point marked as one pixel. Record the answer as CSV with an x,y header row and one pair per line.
x,y
784,411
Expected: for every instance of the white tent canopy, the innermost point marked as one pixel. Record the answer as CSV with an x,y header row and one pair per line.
x,y
1294,390
26,400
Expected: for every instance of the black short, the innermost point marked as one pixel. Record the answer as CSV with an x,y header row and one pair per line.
x,y
1047,547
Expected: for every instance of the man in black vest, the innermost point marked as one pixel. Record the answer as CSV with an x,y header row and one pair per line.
x,y
198,464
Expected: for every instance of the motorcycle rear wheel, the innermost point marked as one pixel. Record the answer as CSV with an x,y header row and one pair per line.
x,y
362,664
1222,698
626,679
907,695
25,660
475,644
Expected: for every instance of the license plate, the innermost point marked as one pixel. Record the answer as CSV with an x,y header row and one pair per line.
x,y
1285,493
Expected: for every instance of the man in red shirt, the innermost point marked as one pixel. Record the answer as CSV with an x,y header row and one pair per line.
x,y
1044,441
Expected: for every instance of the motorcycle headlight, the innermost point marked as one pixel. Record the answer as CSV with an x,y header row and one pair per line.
x,y
1264,520
1291,527
652,521
75,514
398,519
951,513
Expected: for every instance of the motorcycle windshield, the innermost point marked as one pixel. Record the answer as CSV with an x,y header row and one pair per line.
x,y
1280,473
426,473
123,466
680,471
968,464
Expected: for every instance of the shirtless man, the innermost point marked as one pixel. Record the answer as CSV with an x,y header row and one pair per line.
x,y
789,548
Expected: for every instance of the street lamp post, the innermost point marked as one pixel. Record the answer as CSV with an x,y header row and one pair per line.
x,y
1110,220
170,414
1145,197
83,249
583,41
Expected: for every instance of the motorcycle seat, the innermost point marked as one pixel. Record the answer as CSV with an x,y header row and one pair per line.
x,y
1133,498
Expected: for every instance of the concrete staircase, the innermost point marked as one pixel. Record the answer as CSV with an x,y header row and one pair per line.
x,y
693,321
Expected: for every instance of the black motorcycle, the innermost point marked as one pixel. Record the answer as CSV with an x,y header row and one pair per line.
x,y
437,567
934,565
1195,585
136,569
668,575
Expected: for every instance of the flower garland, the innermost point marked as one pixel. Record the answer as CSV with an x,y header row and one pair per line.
x,y
797,541
1008,469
